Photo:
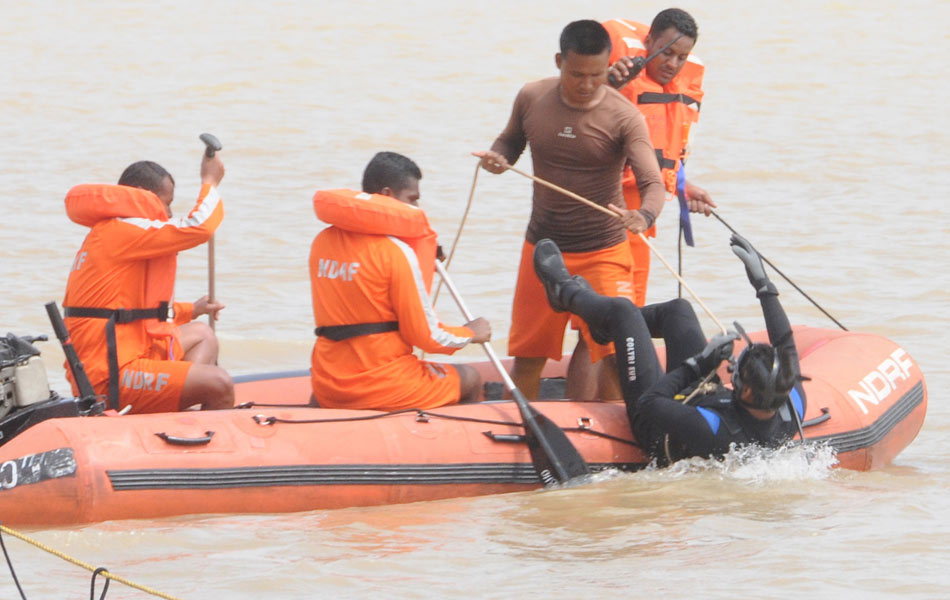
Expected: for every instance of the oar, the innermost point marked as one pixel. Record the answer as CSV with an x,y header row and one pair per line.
x,y
212,145
554,456
777,270
594,205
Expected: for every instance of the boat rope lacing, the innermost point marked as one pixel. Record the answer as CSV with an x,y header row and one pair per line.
x,y
585,424
100,571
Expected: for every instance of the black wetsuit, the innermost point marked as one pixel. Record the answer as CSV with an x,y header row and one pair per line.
x,y
666,427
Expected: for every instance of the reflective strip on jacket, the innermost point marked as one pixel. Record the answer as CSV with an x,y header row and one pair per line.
x,y
128,261
359,277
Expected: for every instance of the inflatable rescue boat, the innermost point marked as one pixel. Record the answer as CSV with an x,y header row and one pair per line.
x,y
866,397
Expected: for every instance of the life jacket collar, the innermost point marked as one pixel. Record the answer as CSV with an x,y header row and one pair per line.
x,y
88,204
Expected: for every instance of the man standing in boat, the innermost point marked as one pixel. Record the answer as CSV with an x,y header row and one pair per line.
x,y
370,274
581,134
119,293
666,418
668,91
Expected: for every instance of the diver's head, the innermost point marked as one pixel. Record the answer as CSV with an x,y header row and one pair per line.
x,y
763,377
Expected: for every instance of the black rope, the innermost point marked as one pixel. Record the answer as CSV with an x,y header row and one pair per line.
x,y
271,420
473,419
105,588
679,265
777,270
10,564
603,435
422,414
252,404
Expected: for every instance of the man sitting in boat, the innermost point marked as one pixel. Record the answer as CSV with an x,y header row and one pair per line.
x,y
665,419
370,275
120,289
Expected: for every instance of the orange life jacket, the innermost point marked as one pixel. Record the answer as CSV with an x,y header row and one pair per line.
x,y
377,214
123,278
370,275
670,110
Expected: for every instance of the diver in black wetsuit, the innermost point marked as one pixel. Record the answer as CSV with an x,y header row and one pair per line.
x,y
755,411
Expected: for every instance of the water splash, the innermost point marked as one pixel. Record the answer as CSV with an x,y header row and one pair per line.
x,y
757,465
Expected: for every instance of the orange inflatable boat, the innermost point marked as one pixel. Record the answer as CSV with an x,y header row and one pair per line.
x,y
866,397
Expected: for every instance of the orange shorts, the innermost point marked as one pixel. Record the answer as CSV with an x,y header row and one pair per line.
x,y
536,330
152,384
437,385
641,268
639,249
406,382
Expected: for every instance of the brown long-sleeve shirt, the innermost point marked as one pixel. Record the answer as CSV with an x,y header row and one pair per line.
x,y
584,151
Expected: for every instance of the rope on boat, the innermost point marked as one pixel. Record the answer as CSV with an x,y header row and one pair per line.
x,y
424,415
784,276
96,571
458,235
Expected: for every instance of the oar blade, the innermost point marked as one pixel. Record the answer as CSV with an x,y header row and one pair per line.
x,y
554,456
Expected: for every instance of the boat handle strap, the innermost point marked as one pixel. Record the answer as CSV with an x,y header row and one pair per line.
x,y
180,441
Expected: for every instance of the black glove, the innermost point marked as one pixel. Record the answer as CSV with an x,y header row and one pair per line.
x,y
753,265
717,350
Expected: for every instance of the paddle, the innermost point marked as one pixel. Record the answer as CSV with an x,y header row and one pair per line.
x,y
554,456
212,145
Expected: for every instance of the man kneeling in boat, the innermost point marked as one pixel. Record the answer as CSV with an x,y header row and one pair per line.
x,y
120,291
370,275
665,420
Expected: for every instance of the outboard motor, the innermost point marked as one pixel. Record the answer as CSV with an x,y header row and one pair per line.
x,y
23,379
25,396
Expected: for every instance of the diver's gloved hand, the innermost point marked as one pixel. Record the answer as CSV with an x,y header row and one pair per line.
x,y
717,350
753,265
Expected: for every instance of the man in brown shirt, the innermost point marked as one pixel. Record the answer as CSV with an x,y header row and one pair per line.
x,y
581,133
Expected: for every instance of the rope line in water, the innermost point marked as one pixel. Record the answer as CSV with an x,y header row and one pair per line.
x,y
779,271
96,571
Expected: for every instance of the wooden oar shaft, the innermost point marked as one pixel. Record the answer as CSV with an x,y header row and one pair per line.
x,y
604,209
554,456
211,280
489,351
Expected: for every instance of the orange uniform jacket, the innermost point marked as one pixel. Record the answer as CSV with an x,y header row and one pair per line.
x,y
669,110
359,277
127,261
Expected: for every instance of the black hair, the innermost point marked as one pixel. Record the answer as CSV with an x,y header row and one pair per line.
x,y
675,17
585,37
389,169
768,375
146,175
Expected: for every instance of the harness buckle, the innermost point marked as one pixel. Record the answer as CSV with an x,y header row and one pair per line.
x,y
123,316
585,423
162,312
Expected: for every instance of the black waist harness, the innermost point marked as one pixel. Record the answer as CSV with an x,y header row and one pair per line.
x,y
338,333
113,316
